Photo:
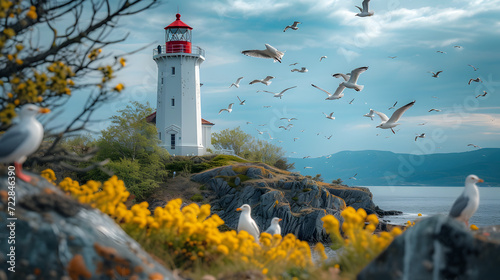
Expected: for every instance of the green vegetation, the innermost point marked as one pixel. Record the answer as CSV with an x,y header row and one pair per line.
x,y
197,197
316,178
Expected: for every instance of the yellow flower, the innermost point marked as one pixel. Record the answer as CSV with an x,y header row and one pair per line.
x,y
420,214
265,271
19,47
9,32
473,227
119,87
10,95
122,61
49,175
10,57
31,14
16,102
19,61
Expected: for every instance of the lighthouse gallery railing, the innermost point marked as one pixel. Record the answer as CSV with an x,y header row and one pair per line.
x,y
178,49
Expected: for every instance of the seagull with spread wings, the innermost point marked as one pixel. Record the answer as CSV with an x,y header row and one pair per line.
x,y
278,94
339,92
364,12
293,26
435,75
331,117
477,80
434,110
267,81
237,83
241,102
229,109
353,78
289,119
393,106
321,58
391,122
301,70
370,114
419,136
270,52
475,69
484,94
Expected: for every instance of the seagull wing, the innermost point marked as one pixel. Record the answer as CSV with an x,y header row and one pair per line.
x,y
230,106
329,94
11,140
257,53
341,75
339,92
286,28
255,81
267,91
382,116
360,10
222,110
239,79
356,72
268,78
283,91
459,206
365,6
399,112
239,98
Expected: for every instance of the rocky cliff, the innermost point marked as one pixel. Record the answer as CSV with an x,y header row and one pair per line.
x,y
271,192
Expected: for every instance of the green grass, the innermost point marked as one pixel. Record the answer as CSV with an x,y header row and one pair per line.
x,y
197,197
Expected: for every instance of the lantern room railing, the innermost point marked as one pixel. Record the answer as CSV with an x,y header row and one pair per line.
x,y
179,48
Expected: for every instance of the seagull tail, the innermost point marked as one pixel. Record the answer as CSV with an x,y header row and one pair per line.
x,y
359,88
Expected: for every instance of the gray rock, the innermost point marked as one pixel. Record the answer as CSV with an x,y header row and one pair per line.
x,y
254,173
438,247
53,231
227,171
237,181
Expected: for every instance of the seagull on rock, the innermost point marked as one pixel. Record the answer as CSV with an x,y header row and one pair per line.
x,y
467,203
274,228
246,222
301,70
339,92
391,122
293,26
363,12
277,94
267,81
229,109
353,78
370,114
269,52
22,139
237,83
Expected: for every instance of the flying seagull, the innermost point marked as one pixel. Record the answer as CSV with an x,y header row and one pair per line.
x,y
457,47
391,122
424,123
307,167
301,70
339,92
435,110
393,106
435,75
467,203
306,157
353,78
484,94
290,125
321,58
293,64
293,26
329,137
241,102
477,80
350,102
295,138
440,52
266,106
289,120
246,222
229,109
331,117
370,114
353,177
274,228
475,69
270,137
420,136
237,83
278,94
472,145
267,81
392,57
22,139
269,52
363,12
346,77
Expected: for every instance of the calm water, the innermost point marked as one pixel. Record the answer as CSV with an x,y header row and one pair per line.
x,y
434,200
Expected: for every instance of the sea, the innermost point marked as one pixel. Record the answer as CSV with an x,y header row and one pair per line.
x,y
430,201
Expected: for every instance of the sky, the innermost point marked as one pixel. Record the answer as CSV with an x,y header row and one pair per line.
x,y
411,31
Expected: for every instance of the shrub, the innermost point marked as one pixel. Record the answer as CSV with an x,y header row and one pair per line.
x,y
197,197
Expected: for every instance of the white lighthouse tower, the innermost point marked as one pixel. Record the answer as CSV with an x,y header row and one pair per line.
x,y
178,114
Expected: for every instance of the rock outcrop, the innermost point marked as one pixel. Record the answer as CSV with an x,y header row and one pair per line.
x,y
299,201
439,247
58,238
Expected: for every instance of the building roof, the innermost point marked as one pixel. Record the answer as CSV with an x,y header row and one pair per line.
x,y
152,119
178,23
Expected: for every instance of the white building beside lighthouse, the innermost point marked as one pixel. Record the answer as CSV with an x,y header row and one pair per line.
x,y
178,120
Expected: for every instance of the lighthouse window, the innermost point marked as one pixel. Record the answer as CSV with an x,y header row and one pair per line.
x,y
172,141
162,80
173,70
159,135
173,102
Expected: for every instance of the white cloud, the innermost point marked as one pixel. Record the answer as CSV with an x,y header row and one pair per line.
x,y
458,120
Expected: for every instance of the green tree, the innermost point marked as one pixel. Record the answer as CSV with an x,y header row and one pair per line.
x,y
234,139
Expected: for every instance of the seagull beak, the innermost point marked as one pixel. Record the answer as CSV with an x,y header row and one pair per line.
x,y
238,209
281,220
480,181
44,110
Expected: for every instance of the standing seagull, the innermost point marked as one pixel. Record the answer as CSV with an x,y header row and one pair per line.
x,y
370,114
237,83
229,109
267,81
301,70
420,136
22,139
246,222
477,80
275,227
331,117
354,78
277,94
364,11
241,102
269,52
467,203
391,123
293,26
339,92
435,75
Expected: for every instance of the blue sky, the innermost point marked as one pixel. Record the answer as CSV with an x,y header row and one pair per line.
x,y
411,30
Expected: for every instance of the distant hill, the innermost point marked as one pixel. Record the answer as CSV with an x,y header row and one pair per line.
x,y
381,168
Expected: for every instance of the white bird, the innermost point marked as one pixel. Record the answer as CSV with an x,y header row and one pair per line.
x,y
477,80
354,177
269,52
293,26
391,123
467,203
286,127
277,94
22,139
435,110
472,145
370,114
267,81
321,58
270,137
353,78
246,222
237,83
350,102
346,77
241,102
301,70
363,12
293,64
484,94
329,156
229,109
339,92
420,136
441,52
307,167
331,117
475,69
392,57
289,120
435,75
424,123
260,132
274,228
306,157
295,138
329,137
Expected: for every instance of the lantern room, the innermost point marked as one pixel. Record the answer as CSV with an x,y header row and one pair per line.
x,y
178,36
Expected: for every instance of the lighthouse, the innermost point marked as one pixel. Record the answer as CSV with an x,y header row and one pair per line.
x,y
178,120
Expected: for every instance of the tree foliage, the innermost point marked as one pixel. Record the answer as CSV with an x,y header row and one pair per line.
x,y
233,139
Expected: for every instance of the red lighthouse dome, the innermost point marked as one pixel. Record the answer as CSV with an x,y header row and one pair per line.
x,y
178,36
